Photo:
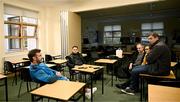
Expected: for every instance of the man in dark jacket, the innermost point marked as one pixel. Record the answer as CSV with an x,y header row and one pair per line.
x,y
158,63
75,58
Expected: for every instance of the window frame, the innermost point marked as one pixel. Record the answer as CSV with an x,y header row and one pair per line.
x,y
151,30
112,32
21,37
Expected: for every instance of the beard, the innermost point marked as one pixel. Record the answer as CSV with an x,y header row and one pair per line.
x,y
39,61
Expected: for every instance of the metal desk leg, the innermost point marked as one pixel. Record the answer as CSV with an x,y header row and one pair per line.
x,y
6,89
84,94
102,81
112,76
91,88
32,98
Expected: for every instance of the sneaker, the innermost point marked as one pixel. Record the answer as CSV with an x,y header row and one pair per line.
x,y
128,91
120,86
88,90
94,89
88,95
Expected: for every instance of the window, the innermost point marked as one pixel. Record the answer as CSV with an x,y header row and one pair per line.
x,y
20,29
146,28
112,34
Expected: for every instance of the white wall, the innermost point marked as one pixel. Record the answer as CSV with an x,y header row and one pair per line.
x,y
74,23
18,55
1,37
100,4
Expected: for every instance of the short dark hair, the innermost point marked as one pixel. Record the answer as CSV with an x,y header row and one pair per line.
x,y
154,34
74,47
32,53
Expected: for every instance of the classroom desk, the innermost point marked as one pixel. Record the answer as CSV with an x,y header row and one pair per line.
x,y
84,54
59,61
157,93
59,90
49,65
128,53
16,63
3,77
144,79
90,69
108,61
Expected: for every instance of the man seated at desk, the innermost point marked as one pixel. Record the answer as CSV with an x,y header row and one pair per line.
x,y
136,62
39,71
76,58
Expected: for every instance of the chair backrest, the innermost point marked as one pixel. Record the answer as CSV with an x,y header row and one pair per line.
x,y
177,71
48,58
8,67
68,58
25,74
94,55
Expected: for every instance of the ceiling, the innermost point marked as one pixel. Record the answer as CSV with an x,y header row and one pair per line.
x,y
52,2
162,8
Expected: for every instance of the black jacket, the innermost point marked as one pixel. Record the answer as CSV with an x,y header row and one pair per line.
x,y
74,59
159,59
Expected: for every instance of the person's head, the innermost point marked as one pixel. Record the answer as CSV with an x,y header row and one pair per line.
x,y
35,55
153,37
75,49
147,49
140,47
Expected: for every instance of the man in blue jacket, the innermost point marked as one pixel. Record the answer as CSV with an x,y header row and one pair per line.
x,y
39,71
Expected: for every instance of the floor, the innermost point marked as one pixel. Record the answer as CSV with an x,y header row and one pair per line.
x,y
111,94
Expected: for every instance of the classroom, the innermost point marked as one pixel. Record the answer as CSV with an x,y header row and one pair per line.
x,y
90,50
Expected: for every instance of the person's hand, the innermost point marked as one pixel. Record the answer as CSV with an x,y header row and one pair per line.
x,y
130,66
58,74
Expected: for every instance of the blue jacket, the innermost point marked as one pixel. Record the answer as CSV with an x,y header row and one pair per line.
x,y
41,73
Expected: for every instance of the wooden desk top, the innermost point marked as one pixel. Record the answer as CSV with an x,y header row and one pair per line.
x,y
59,61
173,64
127,53
2,76
84,54
170,76
18,61
109,61
62,90
87,68
49,65
159,93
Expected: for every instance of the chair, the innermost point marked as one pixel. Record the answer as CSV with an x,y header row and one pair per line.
x,y
25,77
8,67
71,72
94,56
48,58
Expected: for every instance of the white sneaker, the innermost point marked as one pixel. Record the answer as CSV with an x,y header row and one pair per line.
x,y
88,95
94,89
88,90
